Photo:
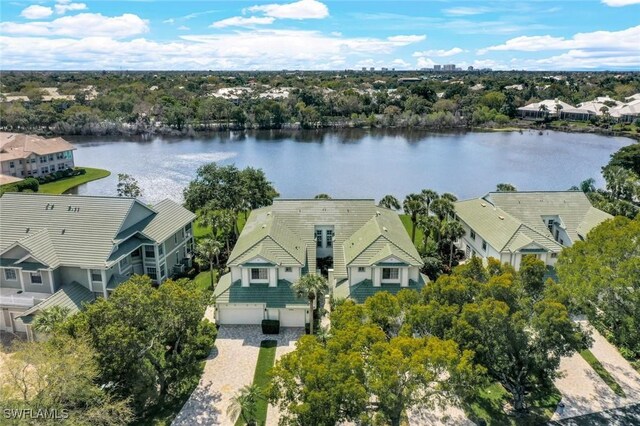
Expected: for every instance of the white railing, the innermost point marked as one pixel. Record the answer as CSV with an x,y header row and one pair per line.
x,y
17,300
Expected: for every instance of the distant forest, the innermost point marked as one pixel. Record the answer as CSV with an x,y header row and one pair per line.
x,y
183,103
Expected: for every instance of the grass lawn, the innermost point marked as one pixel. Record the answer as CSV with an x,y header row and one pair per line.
x,y
203,279
200,231
266,359
489,403
406,221
602,372
62,185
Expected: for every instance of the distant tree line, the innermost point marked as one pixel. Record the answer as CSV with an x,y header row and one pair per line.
x,y
141,103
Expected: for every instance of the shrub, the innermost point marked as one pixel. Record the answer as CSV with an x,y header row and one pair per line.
x,y
29,183
270,326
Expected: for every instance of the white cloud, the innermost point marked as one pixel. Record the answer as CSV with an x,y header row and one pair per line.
x,y
249,49
183,28
36,12
407,39
401,63
425,63
625,40
241,21
302,9
439,53
465,11
64,6
80,26
620,3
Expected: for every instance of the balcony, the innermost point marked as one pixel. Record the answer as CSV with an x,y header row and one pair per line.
x,y
27,299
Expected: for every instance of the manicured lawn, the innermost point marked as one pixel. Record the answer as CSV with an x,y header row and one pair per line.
x,y
62,185
406,221
602,372
203,279
489,403
266,359
200,231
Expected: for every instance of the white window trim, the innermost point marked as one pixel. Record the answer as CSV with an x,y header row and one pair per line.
x,y
15,274
258,280
391,280
31,278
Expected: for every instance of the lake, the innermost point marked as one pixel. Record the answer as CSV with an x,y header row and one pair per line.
x,y
355,163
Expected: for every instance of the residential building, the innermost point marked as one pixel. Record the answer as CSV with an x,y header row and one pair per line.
x,y
361,247
68,250
509,225
23,156
449,67
545,108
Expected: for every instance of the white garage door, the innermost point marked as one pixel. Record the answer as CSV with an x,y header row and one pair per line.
x,y
232,315
292,317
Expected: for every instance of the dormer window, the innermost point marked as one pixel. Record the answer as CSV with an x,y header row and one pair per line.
x,y
319,238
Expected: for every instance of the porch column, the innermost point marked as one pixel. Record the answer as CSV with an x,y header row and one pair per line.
x,y
51,281
21,279
103,274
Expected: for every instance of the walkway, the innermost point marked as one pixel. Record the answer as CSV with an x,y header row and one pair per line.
x,y
229,367
584,392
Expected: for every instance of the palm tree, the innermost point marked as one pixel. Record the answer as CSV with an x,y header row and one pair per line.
x,y
310,286
389,202
244,404
543,109
47,320
452,231
443,208
449,196
207,251
428,196
221,223
558,108
428,225
413,206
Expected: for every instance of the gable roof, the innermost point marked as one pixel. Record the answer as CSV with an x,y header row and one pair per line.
x,y
78,231
19,145
286,228
71,296
511,220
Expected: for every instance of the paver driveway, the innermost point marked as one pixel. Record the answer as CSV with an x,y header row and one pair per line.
x,y
229,367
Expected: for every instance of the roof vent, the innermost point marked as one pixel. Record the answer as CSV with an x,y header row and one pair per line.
x,y
377,212
264,226
63,231
483,204
384,228
27,230
501,217
268,213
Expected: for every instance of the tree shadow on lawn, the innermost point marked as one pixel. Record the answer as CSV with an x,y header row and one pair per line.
x,y
488,407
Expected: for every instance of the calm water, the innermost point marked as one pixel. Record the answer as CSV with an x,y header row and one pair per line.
x,y
356,163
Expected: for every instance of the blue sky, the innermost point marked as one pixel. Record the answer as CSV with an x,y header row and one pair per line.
x,y
315,34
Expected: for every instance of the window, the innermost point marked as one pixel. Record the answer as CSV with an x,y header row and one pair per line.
x,y
96,275
124,263
468,251
149,252
135,253
10,274
319,238
44,170
61,166
473,235
152,273
554,255
329,238
43,159
360,268
163,270
160,249
59,156
51,157
36,278
11,164
390,273
33,159
557,234
561,242
287,269
259,274
484,245
177,257
550,225
175,238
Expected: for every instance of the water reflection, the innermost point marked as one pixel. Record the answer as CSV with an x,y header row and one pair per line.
x,y
355,162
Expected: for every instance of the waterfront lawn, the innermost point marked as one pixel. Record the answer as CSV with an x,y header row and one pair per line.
x,y
602,372
266,359
200,231
406,221
60,186
489,405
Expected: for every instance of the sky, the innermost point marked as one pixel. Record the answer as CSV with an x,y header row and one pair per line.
x,y
319,34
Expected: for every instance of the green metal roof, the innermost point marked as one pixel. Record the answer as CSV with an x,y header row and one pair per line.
x,y
283,233
80,231
71,295
364,289
511,220
274,297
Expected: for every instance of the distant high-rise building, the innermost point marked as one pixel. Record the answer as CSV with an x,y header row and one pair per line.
x,y
385,69
470,68
437,67
364,68
372,69
449,67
